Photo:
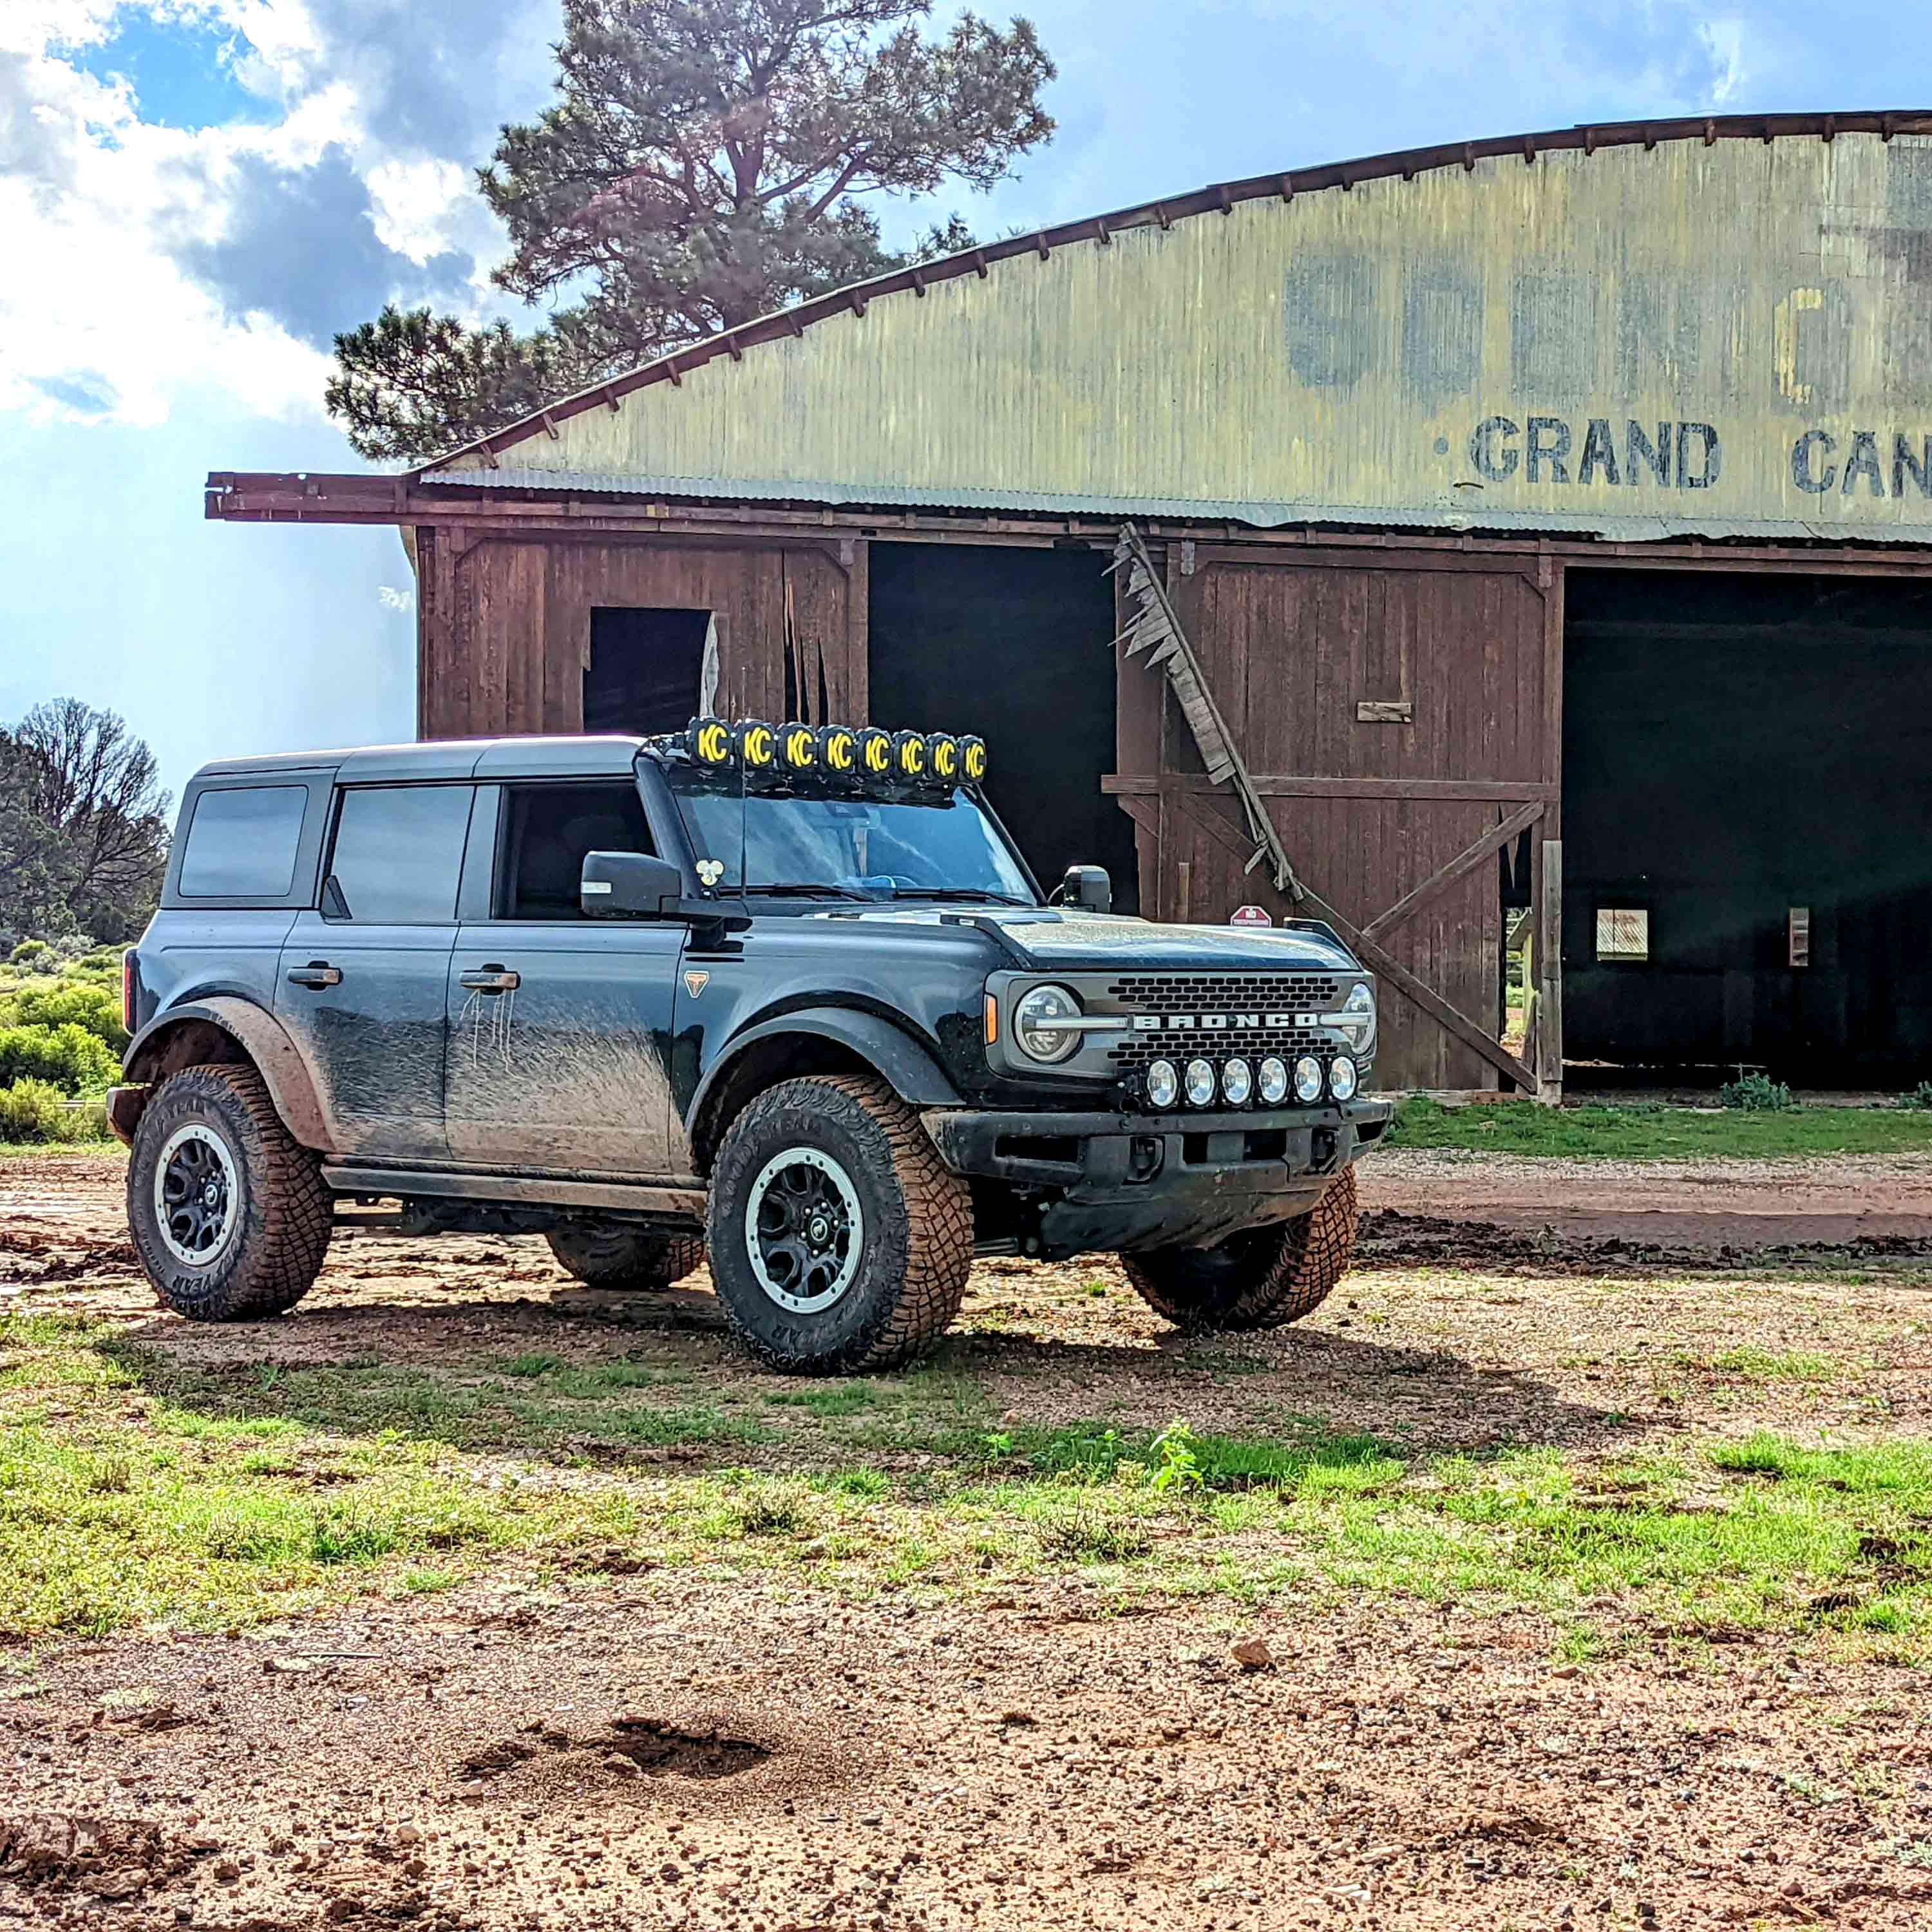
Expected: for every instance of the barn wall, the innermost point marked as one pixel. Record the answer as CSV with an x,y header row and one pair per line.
x,y
504,626
1366,810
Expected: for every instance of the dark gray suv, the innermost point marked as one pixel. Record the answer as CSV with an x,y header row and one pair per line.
x,y
789,993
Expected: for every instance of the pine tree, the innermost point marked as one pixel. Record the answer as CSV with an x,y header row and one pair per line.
x,y
703,165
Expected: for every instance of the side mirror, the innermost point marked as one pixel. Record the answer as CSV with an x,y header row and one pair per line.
x,y
629,885
1088,887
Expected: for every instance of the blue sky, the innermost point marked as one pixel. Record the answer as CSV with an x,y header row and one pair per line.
x,y
197,193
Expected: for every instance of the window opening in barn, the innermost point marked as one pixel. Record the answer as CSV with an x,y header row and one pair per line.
x,y
646,670
1014,645
1623,932
1745,755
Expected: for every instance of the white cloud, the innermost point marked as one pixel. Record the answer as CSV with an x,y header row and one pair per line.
x,y
391,598
1724,41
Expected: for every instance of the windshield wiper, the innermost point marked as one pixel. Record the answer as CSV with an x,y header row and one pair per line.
x,y
957,892
809,891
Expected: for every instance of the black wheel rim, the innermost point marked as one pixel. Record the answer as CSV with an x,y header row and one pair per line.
x,y
803,1229
195,1193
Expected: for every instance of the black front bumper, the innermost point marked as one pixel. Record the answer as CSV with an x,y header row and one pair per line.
x,y
1118,1182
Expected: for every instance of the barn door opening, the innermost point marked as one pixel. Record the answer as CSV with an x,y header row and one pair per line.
x,y
646,669
1746,767
1013,645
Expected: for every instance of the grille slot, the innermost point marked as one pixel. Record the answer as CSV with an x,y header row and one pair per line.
x,y
1224,994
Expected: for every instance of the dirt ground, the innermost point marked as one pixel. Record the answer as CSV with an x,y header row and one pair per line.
x,y
660,1749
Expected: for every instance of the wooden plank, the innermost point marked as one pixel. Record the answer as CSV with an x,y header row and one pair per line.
x,y
1384,965
1465,862
1550,977
1275,785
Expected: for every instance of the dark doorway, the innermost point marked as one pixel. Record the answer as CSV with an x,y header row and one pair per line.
x,y
1013,645
1747,785
646,669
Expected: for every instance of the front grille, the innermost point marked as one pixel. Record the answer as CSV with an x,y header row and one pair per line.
x,y
1224,994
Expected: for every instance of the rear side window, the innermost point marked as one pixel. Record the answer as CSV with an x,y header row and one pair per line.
x,y
241,843
398,851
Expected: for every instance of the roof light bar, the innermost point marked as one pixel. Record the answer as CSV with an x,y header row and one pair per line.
x,y
864,755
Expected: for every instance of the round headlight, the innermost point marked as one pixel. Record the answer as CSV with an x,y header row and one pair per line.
x,y
1342,1077
1272,1083
1163,1085
1033,1023
1237,1082
1200,1083
1355,1019
1308,1080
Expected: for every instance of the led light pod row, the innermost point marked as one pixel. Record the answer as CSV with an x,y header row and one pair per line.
x,y
857,754
1235,1083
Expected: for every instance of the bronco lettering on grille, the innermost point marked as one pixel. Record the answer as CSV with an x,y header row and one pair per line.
x,y
1219,1022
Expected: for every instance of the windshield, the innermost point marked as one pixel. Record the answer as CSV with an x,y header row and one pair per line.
x,y
940,847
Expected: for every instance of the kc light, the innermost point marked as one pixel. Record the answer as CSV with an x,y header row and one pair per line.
x,y
943,753
1200,1083
1342,1077
1163,1085
1308,1080
1237,1082
910,755
1036,1031
758,745
973,760
708,741
1355,1021
838,746
799,744
875,752
1271,1082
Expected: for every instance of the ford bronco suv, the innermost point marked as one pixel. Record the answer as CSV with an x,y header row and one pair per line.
x,y
784,997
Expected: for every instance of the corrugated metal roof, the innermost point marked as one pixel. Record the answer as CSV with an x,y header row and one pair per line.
x,y
1262,515
1218,198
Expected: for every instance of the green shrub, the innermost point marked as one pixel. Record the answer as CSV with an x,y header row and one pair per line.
x,y
1755,1093
68,1003
34,1111
1921,1096
68,1057
30,952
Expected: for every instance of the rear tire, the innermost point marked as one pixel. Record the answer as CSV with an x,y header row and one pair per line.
x,y
839,1240
229,1212
636,1259
1263,1279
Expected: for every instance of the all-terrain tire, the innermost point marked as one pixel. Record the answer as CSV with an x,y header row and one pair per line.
x,y
915,1243
636,1259
277,1214
1261,1279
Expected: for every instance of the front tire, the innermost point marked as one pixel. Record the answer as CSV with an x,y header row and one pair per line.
x,y
1263,1279
229,1212
634,1259
839,1240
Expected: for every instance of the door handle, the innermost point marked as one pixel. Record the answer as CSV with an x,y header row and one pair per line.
x,y
317,973
490,979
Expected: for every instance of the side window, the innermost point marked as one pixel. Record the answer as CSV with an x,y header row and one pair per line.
x,y
548,829
398,851
241,843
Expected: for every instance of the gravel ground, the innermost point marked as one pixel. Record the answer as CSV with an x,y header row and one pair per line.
x,y
658,1749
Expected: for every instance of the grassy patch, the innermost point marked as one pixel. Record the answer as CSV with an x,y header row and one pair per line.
x,y
134,1491
1661,1133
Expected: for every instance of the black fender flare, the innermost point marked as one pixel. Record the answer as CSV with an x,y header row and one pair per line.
x,y
264,1041
893,1053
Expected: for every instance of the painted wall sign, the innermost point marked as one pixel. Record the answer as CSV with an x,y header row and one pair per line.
x,y
1696,336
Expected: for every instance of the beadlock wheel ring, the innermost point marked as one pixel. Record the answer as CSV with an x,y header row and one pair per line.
x,y
196,1194
805,1230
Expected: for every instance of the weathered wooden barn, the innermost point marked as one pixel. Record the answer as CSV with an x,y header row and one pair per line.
x,y
1548,509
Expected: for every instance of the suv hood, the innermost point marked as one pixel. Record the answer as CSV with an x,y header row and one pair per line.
x,y
1052,938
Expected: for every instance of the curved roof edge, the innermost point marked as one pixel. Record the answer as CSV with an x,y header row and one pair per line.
x,y
1218,198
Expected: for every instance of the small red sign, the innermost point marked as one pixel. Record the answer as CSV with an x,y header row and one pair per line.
x,y
1250,915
